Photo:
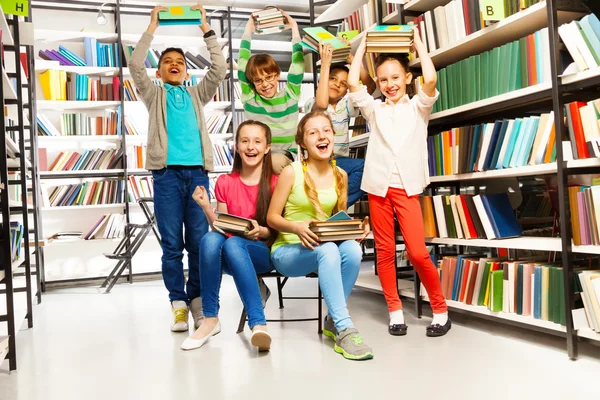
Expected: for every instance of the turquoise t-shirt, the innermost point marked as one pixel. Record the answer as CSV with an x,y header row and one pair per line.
x,y
184,147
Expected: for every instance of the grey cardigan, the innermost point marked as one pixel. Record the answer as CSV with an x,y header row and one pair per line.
x,y
155,99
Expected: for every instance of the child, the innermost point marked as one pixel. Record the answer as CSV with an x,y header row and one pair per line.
x,y
396,173
179,154
308,190
246,192
262,99
331,98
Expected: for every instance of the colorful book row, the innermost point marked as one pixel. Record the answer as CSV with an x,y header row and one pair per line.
x,y
502,144
485,216
88,193
89,160
223,154
80,124
193,61
583,124
524,287
96,55
139,187
584,202
516,65
61,85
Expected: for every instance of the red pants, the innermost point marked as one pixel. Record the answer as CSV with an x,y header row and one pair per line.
x,y
408,211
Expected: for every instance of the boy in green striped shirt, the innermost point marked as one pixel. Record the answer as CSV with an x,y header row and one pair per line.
x,y
262,99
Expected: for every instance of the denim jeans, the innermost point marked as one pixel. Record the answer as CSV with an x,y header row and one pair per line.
x,y
240,258
175,209
354,168
337,265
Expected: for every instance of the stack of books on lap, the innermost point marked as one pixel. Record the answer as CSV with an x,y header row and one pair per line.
x,y
316,35
232,224
338,227
269,20
390,39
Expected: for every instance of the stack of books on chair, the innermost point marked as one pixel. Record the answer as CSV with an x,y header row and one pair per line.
x,y
269,20
232,224
338,227
316,35
390,39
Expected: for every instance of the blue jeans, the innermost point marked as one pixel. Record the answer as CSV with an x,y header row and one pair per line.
x,y
240,258
337,265
354,168
175,209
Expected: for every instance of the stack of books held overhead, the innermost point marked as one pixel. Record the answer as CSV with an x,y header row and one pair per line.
x,y
269,20
338,227
390,39
232,224
316,35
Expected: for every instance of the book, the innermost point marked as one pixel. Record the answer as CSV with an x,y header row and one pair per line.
x,y
232,224
268,20
390,39
338,227
180,15
315,35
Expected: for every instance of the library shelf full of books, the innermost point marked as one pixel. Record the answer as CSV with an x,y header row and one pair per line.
x,y
556,231
83,130
20,239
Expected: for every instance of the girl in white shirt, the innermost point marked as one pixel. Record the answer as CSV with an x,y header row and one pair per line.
x,y
396,173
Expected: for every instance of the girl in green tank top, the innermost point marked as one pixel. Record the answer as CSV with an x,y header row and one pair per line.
x,y
309,190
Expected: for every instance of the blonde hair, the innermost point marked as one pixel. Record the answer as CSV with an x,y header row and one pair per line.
x,y
341,188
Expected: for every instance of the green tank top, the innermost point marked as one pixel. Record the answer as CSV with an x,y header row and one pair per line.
x,y
298,207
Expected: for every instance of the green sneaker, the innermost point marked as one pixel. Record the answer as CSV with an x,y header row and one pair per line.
x,y
349,343
329,328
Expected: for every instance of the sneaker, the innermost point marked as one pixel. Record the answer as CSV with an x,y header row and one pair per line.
x,y
180,316
329,327
196,309
350,344
265,292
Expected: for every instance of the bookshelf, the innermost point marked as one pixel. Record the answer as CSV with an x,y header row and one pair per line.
x,y
551,95
22,255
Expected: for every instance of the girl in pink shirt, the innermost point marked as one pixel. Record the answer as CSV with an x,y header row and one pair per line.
x,y
246,192
396,173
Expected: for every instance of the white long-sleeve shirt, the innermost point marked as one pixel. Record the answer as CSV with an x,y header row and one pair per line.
x,y
397,150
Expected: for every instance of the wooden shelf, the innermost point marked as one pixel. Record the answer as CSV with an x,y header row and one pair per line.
x,y
81,138
44,65
420,5
82,174
508,30
528,170
339,10
75,105
89,207
511,100
519,243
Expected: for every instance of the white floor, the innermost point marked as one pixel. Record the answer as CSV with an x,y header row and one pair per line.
x,y
87,345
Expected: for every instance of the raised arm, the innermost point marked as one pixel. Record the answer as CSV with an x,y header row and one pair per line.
x,y
275,215
358,94
244,56
296,71
322,94
137,65
218,69
427,67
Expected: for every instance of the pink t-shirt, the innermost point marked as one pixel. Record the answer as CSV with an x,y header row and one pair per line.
x,y
239,197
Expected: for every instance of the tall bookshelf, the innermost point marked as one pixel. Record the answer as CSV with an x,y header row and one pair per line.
x,y
543,97
17,191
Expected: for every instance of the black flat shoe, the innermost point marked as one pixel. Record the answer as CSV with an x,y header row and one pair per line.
x,y
438,330
398,329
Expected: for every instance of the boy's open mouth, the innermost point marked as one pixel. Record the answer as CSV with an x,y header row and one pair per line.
x,y
174,70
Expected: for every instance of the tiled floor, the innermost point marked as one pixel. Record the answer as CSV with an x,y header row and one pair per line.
x,y
88,346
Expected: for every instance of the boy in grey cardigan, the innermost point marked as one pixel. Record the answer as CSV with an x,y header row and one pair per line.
x,y
179,154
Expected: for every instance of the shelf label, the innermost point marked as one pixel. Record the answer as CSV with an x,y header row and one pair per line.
x,y
15,7
492,10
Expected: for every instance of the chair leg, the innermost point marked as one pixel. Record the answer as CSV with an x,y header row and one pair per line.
x,y
280,292
320,300
242,321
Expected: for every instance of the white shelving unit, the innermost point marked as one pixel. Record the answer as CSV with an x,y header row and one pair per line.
x,y
339,10
76,105
88,207
510,29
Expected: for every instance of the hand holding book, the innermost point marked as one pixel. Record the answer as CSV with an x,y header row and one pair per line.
x,y
203,21
154,18
307,237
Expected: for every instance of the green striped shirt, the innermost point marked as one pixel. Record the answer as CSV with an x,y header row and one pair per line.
x,y
280,112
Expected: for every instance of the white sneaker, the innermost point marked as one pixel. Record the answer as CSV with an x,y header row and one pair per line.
x,y
180,316
191,344
196,309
